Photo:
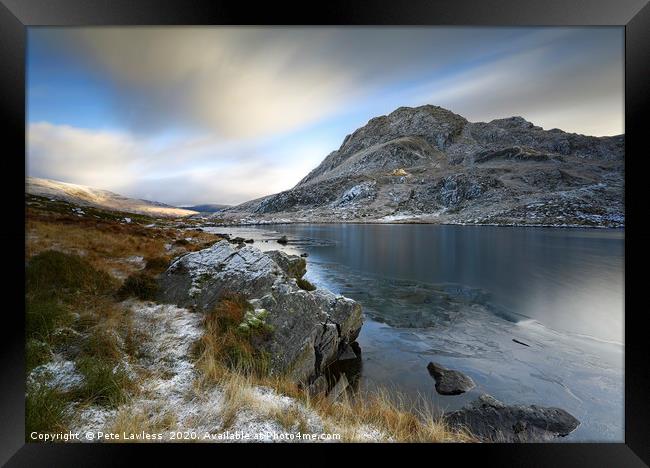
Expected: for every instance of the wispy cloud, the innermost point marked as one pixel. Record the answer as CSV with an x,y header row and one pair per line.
x,y
96,158
186,173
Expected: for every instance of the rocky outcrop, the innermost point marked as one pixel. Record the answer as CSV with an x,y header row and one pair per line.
x,y
490,420
450,382
427,164
308,329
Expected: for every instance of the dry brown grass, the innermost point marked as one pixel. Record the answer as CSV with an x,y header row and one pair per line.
x,y
390,418
106,244
391,415
291,419
99,243
131,420
238,395
110,332
224,349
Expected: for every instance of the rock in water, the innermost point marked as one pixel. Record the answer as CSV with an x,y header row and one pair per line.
x,y
283,240
491,420
450,382
309,329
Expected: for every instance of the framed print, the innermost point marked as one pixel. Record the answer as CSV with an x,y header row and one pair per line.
x,y
370,226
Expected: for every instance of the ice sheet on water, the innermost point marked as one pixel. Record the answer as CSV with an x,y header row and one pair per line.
x,y
409,324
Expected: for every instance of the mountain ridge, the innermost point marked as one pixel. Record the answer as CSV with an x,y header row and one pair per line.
x,y
88,196
428,164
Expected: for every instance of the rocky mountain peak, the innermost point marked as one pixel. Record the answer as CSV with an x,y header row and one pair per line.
x,y
433,124
431,165
399,139
514,122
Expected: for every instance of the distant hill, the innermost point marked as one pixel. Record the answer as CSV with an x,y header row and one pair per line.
x,y
88,196
428,164
207,208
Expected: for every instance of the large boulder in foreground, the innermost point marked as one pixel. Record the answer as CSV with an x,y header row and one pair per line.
x,y
309,329
489,419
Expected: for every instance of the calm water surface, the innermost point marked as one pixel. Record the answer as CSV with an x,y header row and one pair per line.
x,y
458,295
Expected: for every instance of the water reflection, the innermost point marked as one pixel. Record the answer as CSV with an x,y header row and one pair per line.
x,y
567,279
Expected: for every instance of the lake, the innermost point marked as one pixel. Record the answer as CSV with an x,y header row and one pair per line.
x,y
459,295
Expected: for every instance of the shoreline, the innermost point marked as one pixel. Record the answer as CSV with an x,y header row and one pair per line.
x,y
394,223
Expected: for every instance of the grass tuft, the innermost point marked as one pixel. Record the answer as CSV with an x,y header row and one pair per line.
x,y
157,265
58,273
45,410
103,343
130,420
104,383
36,353
306,285
43,315
225,346
140,285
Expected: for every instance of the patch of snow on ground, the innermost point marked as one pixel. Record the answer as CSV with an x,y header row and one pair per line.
x,y
169,391
58,373
135,260
171,331
399,217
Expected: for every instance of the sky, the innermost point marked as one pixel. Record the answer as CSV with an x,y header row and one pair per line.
x,y
189,115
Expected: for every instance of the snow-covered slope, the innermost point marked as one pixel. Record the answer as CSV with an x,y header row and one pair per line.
x,y
83,195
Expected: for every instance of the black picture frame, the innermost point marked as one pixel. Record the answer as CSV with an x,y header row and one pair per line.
x,y
17,15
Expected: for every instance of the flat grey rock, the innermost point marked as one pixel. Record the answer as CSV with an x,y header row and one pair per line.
x,y
449,382
491,420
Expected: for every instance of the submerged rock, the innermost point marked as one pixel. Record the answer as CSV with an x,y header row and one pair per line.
x,y
449,382
520,342
491,420
308,329
347,354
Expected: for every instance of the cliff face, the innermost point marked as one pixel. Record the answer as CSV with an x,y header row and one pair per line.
x,y
427,164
